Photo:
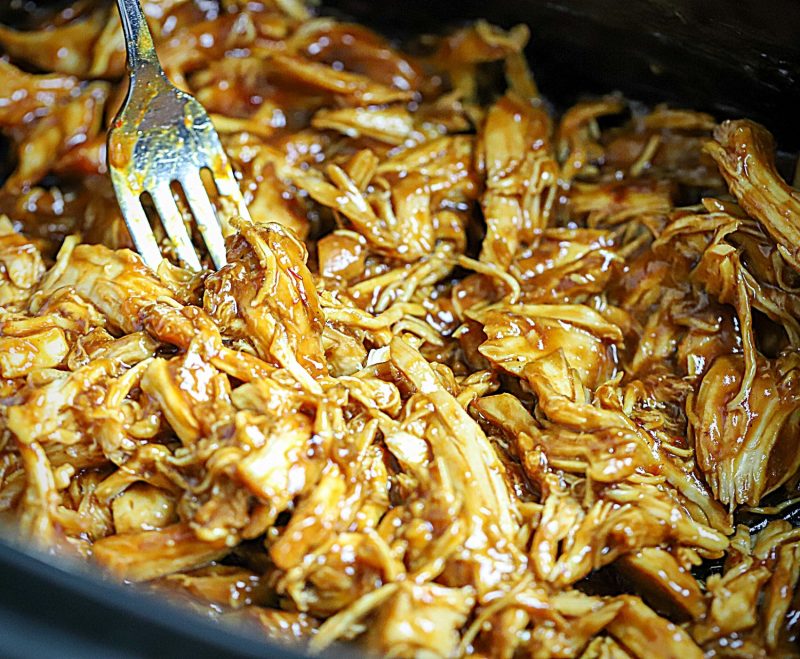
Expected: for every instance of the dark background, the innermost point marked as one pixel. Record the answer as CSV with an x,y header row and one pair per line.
x,y
733,58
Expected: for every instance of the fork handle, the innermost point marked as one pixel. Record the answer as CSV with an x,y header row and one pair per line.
x,y
138,40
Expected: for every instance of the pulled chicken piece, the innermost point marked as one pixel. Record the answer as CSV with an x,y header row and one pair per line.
x,y
745,154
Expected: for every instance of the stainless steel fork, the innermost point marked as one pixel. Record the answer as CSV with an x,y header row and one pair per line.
x,y
163,135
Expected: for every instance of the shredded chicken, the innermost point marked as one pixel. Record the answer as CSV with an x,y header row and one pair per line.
x,y
478,380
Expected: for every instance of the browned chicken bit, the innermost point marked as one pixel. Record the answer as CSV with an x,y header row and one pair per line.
x,y
479,380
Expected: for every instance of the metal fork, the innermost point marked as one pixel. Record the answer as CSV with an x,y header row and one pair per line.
x,y
160,136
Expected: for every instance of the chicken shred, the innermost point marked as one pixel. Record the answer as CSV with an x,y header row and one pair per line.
x,y
478,380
